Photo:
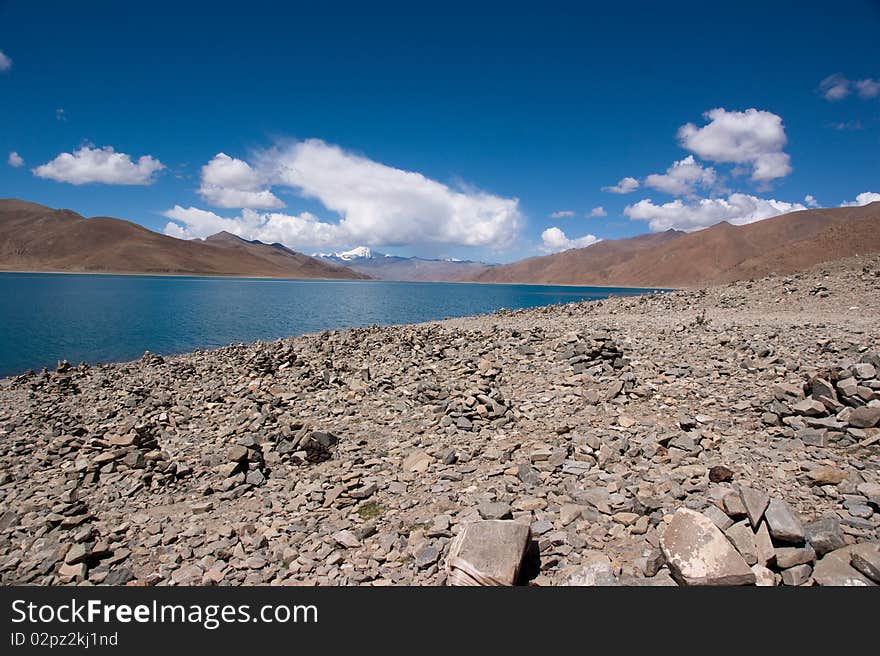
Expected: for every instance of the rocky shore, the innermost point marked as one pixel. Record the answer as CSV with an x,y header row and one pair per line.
x,y
728,435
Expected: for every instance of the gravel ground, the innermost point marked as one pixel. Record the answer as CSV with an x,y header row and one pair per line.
x,y
354,457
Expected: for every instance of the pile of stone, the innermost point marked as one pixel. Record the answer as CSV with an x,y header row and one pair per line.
x,y
62,381
593,352
115,456
839,406
750,538
245,464
479,404
298,443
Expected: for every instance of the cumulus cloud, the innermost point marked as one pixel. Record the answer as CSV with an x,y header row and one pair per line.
x,y
737,209
682,177
378,205
811,201
15,160
752,138
554,240
102,165
868,88
597,211
562,214
862,199
5,62
834,87
298,230
231,182
624,186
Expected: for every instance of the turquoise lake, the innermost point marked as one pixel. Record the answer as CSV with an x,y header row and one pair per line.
x,y
106,318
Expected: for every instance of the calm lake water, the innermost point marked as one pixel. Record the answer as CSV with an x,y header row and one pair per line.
x,y
100,318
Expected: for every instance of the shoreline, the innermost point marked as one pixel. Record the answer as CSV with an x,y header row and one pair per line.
x,y
354,457
438,282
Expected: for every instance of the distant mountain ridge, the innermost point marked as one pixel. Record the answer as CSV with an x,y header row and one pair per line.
x,y
718,254
394,267
37,238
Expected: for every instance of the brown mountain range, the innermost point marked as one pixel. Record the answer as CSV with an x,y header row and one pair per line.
x,y
37,238
719,254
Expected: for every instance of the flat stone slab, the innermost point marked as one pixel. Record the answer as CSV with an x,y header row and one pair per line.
x,y
755,502
867,560
487,553
825,535
698,553
783,523
865,417
834,569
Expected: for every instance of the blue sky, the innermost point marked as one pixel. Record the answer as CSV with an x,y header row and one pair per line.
x,y
454,131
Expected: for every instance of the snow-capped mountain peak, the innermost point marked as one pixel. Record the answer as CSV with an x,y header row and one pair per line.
x,y
359,253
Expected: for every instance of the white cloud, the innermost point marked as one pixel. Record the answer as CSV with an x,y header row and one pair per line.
x,y
682,177
102,165
834,87
625,186
378,205
295,231
848,125
562,214
554,240
737,209
597,211
61,115
811,201
5,62
862,199
15,160
837,87
231,182
753,138
868,88
382,205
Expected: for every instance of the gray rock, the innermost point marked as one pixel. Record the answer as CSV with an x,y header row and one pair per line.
x,y
783,523
119,576
809,408
698,553
755,502
813,436
763,576
494,510
346,539
652,563
864,417
426,556
718,517
489,552
863,370
741,536
834,569
797,575
237,453
822,388
866,559
787,557
825,535
529,475
764,545
76,554
594,574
